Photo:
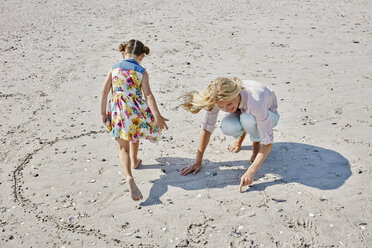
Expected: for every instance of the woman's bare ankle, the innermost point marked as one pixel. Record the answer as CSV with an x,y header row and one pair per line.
x,y
255,149
253,157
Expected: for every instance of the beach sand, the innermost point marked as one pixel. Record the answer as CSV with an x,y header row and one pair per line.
x,y
60,179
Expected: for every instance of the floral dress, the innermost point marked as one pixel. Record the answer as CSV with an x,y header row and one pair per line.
x,y
128,115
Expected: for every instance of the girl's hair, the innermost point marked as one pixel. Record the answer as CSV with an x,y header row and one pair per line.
x,y
220,89
134,47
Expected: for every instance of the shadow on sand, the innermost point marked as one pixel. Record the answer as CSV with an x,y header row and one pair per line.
x,y
292,162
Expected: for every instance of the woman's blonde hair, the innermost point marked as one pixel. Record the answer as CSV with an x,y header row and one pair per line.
x,y
220,89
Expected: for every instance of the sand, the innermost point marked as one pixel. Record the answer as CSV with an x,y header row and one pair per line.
x,y
60,179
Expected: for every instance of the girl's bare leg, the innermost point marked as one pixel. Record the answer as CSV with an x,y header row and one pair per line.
x,y
255,149
133,155
124,150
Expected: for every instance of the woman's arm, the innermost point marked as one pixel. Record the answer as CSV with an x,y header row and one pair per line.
x,y
247,178
103,96
203,142
150,99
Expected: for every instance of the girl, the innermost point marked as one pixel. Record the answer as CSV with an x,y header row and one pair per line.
x,y
129,118
253,109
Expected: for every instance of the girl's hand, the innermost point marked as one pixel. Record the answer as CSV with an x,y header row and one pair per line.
x,y
246,179
191,168
104,118
160,122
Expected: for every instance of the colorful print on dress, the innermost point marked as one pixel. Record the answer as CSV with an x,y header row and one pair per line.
x,y
128,115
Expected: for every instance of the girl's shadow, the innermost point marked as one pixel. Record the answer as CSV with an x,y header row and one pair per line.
x,y
292,162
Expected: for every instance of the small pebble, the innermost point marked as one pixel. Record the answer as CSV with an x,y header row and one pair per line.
x,y
130,233
278,200
251,214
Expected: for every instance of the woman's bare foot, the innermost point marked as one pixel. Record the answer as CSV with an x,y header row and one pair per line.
x,y
134,191
235,146
255,149
136,163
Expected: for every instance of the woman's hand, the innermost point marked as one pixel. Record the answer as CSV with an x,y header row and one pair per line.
x,y
246,179
160,122
191,168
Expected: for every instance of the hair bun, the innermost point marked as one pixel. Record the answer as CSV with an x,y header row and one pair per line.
x,y
122,47
146,50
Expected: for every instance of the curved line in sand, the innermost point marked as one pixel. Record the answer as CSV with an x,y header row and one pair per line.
x,y
28,204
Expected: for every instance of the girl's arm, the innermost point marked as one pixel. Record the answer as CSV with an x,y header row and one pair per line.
x,y
203,142
150,99
247,178
103,96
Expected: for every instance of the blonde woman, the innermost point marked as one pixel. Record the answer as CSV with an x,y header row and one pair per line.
x,y
252,109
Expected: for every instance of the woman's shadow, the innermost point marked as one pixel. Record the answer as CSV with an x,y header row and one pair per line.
x,y
292,162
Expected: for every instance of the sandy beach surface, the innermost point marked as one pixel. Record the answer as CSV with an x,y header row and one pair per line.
x,y
60,179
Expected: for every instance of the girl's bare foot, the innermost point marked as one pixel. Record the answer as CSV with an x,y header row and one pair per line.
x,y
134,191
136,163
